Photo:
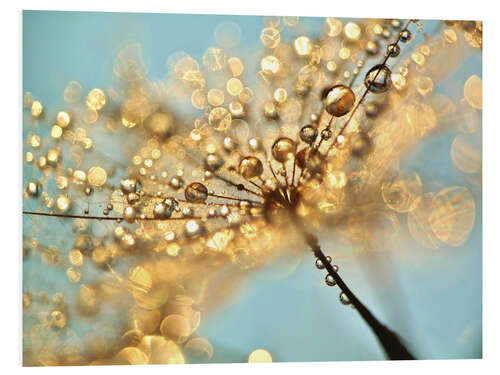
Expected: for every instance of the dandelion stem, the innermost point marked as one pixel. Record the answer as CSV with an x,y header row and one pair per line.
x,y
390,341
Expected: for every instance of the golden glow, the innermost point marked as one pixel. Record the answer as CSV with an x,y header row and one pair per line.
x,y
260,356
96,99
352,31
270,64
234,86
473,91
303,46
97,176
36,109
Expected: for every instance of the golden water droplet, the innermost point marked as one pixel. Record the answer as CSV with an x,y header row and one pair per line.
x,y
339,100
234,86
36,109
56,131
140,279
452,215
129,214
161,351
79,176
334,26
214,59
74,274
131,356
250,167
344,53
270,64
199,347
198,99
280,95
236,66
450,36
63,203
176,328
398,81
35,141
32,189
466,152
220,118
215,97
283,149
270,37
352,31
63,119
260,356
75,257
425,85
29,157
144,320
196,192
96,99
473,91
418,223
303,46
401,195
97,176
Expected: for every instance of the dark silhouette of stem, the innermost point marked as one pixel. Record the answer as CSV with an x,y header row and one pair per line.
x,y
390,341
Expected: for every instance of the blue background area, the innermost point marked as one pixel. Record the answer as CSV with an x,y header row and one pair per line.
x,y
435,303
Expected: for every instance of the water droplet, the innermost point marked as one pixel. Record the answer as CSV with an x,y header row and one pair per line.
x,y
308,134
162,210
213,162
250,167
326,134
283,149
196,192
378,79
372,47
129,214
32,189
255,144
319,264
128,185
393,50
396,24
176,182
344,299
329,280
339,100
405,36
314,118
229,144
194,228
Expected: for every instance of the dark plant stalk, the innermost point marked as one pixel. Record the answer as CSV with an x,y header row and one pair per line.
x,y
390,341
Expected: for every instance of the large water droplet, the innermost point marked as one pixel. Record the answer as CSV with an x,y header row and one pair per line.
x,y
196,192
308,134
378,79
250,167
339,100
283,149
